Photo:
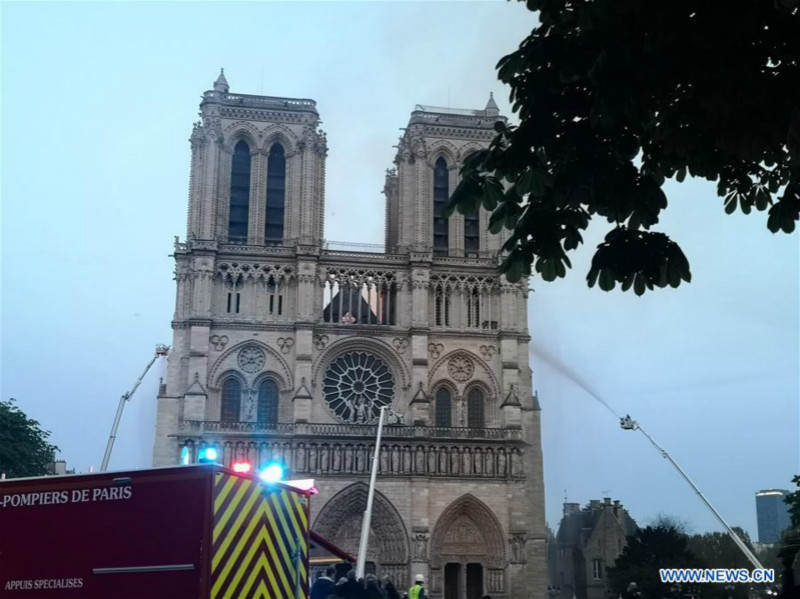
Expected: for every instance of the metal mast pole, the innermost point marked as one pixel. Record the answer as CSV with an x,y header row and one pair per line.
x,y
628,424
362,545
161,350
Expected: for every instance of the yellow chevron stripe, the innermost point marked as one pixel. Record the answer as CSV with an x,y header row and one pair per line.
x,y
262,563
262,592
220,498
293,532
237,550
290,531
244,488
296,531
238,523
286,552
246,562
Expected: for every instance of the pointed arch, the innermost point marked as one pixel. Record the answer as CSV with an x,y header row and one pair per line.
x,y
340,520
241,131
442,149
239,208
483,373
443,405
468,531
467,149
441,195
275,365
276,193
476,407
267,401
231,401
277,133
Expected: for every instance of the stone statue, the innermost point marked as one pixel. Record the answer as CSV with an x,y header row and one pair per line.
x,y
501,462
420,546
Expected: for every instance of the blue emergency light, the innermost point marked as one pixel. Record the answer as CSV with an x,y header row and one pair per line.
x,y
207,455
273,472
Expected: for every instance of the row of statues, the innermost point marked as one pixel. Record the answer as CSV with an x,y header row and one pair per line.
x,y
356,458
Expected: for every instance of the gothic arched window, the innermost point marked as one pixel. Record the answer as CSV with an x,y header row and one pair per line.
x,y
441,194
444,411
475,408
472,237
231,400
240,194
276,193
268,402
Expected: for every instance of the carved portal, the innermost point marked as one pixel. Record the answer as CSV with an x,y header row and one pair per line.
x,y
340,520
468,532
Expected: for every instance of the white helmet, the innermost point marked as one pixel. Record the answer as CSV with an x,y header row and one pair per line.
x,y
419,578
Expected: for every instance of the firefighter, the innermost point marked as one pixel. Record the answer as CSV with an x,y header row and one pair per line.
x,y
417,592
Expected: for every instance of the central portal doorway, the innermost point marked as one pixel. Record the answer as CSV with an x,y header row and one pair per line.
x,y
474,581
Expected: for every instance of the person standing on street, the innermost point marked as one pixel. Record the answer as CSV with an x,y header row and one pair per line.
x,y
417,591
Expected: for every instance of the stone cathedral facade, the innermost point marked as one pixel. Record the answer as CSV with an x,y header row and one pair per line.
x,y
285,348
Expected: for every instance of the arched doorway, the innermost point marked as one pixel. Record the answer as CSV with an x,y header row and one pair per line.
x,y
340,521
467,555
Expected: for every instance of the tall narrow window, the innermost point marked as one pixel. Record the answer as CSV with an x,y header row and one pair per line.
x,y
597,569
231,400
472,239
473,308
276,193
441,193
268,402
240,194
475,406
444,412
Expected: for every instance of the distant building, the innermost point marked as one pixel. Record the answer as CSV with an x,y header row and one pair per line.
x,y
589,540
772,514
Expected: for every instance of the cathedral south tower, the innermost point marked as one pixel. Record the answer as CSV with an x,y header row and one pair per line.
x,y
286,349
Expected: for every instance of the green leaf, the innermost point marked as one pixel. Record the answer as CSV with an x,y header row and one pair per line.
x,y
607,282
638,284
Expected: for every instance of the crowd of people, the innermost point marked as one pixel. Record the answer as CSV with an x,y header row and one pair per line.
x,y
369,587
348,587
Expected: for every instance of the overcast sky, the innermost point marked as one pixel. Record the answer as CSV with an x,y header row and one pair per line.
x,y
98,100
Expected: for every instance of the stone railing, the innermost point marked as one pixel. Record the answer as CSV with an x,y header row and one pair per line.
x,y
337,430
262,101
314,456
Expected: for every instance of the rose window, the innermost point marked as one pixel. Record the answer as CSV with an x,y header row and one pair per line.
x,y
356,386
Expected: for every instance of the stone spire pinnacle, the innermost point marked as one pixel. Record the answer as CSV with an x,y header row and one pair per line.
x,y
491,106
221,84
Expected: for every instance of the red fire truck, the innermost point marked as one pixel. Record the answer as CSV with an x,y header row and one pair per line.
x,y
189,532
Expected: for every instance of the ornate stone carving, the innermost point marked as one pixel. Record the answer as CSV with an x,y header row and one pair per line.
x,y
516,548
495,580
400,344
251,359
286,344
460,368
435,350
218,342
320,341
356,385
420,547
488,351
